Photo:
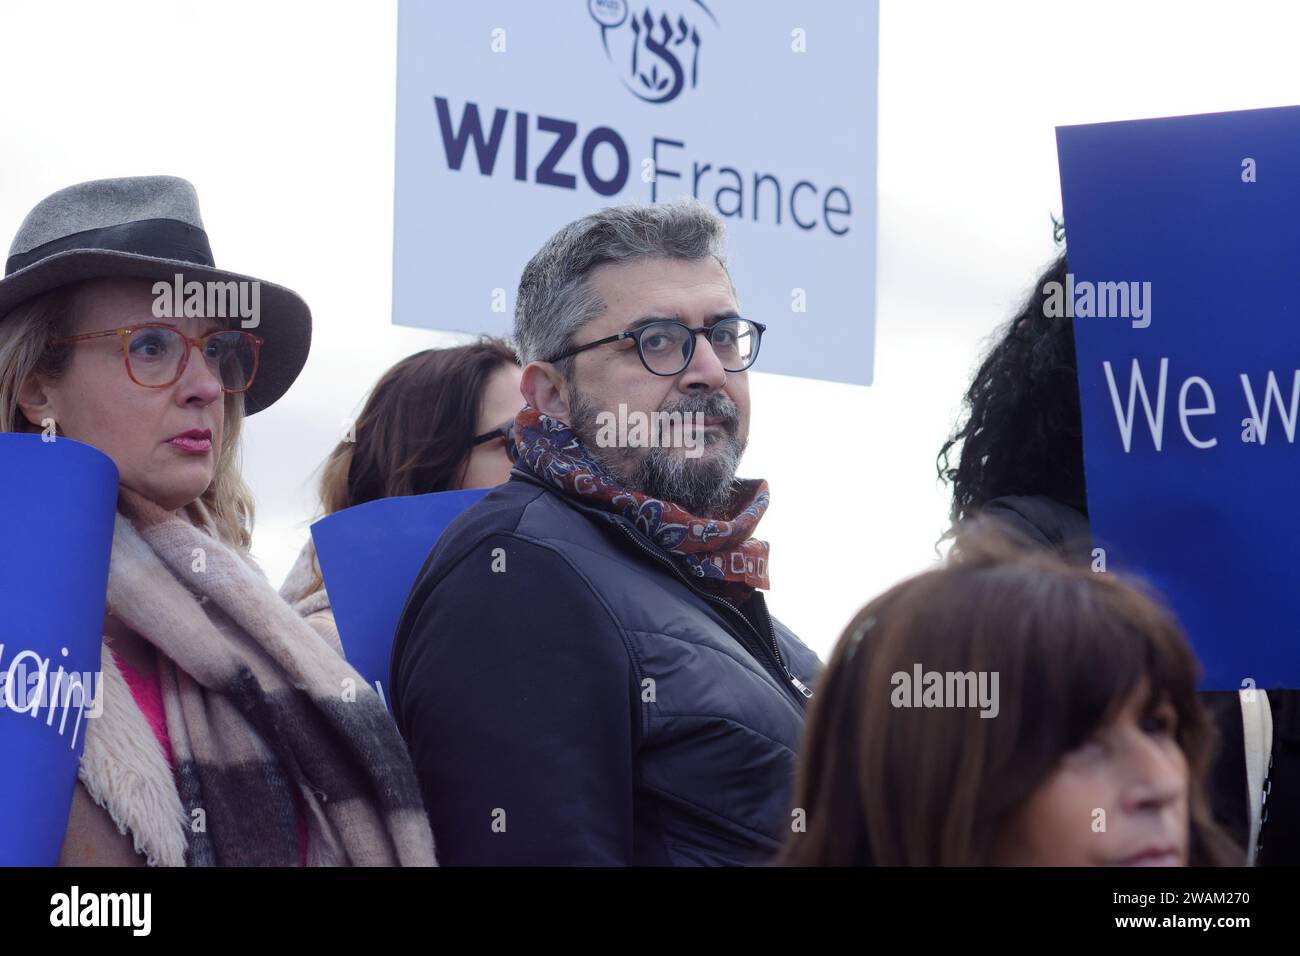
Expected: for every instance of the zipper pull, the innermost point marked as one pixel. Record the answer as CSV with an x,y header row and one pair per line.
x,y
803,688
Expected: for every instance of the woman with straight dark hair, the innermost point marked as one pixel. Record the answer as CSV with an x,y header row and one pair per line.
x,y
435,421
1008,709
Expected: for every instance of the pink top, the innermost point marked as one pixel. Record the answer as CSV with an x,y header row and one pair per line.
x,y
147,691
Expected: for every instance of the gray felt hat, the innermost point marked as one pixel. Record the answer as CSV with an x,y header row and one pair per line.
x,y
147,227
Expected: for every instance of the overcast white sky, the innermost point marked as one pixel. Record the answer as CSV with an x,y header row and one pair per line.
x,y
281,113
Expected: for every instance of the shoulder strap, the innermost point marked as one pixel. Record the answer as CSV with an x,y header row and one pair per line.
x,y
1257,728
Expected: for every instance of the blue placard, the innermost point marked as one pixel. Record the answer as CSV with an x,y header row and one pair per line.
x,y
57,503
1190,395
369,557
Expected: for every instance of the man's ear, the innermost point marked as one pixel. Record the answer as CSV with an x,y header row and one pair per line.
x,y
544,388
34,401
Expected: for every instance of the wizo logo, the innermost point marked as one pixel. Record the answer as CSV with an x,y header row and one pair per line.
x,y
655,50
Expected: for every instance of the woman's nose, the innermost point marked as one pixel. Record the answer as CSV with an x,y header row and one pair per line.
x,y
1157,775
198,381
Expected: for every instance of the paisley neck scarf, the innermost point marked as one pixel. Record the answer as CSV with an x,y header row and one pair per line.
x,y
719,553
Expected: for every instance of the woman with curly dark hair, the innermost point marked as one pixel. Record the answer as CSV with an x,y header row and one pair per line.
x,y
1017,456
1020,447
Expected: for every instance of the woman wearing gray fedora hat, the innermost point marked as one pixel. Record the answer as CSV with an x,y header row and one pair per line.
x,y
232,733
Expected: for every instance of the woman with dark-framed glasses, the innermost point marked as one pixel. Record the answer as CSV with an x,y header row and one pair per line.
x,y
438,420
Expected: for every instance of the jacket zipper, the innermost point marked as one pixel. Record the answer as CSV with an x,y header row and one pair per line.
x,y
803,689
771,630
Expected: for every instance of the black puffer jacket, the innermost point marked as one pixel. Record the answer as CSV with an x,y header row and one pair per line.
x,y
569,697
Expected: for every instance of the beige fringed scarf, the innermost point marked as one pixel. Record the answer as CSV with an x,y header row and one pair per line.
x,y
257,705
305,592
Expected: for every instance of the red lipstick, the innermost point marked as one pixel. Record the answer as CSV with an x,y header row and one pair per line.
x,y
196,441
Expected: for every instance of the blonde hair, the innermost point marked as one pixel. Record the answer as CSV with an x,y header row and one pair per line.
x,y
225,508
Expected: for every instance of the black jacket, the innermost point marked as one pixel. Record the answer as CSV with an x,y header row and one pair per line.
x,y
570,697
1052,524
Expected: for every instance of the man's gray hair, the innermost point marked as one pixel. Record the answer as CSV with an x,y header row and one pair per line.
x,y
555,294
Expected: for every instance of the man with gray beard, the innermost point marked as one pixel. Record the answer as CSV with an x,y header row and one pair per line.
x,y
586,671
664,470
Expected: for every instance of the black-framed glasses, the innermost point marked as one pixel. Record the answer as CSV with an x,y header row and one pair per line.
x,y
666,346
505,431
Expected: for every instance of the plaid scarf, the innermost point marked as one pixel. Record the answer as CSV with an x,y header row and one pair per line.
x,y
719,553
258,706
